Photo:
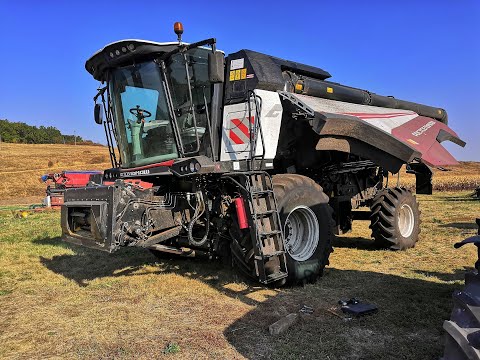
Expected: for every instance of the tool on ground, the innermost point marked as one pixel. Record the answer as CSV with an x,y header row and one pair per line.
x,y
357,308
306,310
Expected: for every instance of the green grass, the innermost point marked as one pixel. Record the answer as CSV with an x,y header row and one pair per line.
x,y
63,301
171,348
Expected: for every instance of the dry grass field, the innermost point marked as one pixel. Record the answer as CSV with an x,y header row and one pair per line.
x,y
22,165
62,301
465,176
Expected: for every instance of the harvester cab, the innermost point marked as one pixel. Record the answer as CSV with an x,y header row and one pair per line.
x,y
248,157
160,107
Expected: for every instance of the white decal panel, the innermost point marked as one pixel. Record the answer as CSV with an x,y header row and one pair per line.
x,y
239,124
383,118
237,64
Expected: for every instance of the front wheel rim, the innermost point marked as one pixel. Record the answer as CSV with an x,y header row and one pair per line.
x,y
302,232
406,220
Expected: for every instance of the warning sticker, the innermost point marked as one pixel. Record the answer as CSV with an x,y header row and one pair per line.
x,y
237,64
239,130
237,74
232,75
243,73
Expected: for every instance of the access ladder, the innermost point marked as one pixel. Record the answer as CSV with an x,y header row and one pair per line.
x,y
265,226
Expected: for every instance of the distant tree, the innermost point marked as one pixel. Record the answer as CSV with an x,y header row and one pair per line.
x,y
18,132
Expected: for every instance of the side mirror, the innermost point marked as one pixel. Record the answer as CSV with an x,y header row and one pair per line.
x,y
216,67
98,114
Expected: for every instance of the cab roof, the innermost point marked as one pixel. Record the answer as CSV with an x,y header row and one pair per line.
x,y
124,51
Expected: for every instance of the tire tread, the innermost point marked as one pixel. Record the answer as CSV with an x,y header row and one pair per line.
x,y
383,218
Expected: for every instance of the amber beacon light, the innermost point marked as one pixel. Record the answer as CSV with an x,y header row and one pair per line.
x,y
178,28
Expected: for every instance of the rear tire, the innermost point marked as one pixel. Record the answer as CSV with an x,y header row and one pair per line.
x,y
395,219
307,223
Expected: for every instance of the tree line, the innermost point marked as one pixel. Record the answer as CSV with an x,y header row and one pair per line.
x,y
19,132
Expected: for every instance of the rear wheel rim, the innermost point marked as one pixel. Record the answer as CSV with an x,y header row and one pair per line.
x,y
406,220
301,231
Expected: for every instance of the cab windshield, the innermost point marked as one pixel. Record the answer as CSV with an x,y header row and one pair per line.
x,y
190,88
146,127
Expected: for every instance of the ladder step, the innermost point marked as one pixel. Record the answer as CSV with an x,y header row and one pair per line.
x,y
275,253
265,227
269,233
264,214
261,193
276,276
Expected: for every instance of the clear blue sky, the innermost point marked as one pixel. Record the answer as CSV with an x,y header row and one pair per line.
x,y
423,51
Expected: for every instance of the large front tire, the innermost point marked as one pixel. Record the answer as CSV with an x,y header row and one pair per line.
x,y
307,223
395,219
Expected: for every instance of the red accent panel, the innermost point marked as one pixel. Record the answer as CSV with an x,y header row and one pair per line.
x,y
167,163
143,184
56,200
241,213
73,179
424,131
437,155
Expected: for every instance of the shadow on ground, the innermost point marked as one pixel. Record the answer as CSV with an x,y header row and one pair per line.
x,y
459,198
408,324
460,225
457,275
87,264
359,243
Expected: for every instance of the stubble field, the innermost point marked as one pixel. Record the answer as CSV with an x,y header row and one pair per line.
x,y
64,301
22,165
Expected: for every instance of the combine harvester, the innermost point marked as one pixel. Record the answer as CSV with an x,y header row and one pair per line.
x,y
251,158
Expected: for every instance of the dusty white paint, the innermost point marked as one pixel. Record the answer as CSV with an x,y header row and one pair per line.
x,y
270,110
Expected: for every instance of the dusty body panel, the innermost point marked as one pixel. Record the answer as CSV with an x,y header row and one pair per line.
x,y
402,134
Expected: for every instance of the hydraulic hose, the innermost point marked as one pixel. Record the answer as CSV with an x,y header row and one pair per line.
x,y
197,216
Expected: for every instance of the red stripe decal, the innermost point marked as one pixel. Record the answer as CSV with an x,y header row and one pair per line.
x,y
381,114
241,126
235,138
380,117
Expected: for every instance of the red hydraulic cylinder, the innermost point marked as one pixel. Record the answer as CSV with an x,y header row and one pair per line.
x,y
241,213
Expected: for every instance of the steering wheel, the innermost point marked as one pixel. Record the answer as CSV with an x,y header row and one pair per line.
x,y
140,114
